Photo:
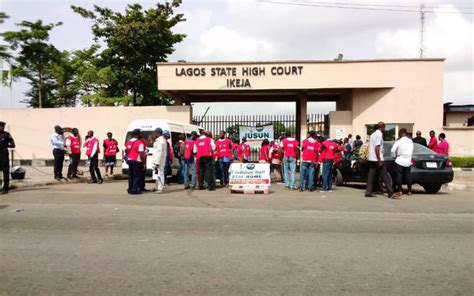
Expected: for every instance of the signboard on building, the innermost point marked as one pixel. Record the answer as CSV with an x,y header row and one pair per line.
x,y
256,134
249,177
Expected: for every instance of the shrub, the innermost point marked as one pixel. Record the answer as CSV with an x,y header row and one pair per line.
x,y
463,161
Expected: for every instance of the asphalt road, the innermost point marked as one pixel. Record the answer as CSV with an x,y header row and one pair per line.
x,y
95,240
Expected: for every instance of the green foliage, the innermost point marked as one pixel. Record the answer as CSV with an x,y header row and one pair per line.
x,y
462,161
135,42
4,55
35,59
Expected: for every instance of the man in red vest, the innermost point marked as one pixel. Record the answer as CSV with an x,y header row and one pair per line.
x,y
110,151
73,148
224,156
92,152
290,148
190,166
308,160
329,149
433,141
203,148
136,153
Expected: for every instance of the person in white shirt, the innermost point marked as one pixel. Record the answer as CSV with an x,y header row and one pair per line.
x,y
57,141
159,160
92,152
402,152
376,162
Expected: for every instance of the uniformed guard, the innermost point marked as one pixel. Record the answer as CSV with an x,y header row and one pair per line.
x,y
6,141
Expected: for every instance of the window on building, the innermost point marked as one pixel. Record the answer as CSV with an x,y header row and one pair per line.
x,y
391,130
470,121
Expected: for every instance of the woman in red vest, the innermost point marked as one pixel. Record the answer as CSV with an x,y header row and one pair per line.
x,y
110,151
264,152
73,145
275,158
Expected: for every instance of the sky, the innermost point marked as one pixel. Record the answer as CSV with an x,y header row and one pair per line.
x,y
252,30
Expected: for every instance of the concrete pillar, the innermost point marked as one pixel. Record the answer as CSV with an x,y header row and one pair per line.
x,y
301,116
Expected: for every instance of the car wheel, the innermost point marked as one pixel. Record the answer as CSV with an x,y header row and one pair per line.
x,y
338,178
432,188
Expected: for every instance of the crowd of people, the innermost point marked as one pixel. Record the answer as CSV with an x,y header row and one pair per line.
x,y
203,159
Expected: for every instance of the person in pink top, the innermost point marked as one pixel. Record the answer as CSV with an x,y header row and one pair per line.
x,y
290,148
443,145
433,142
265,152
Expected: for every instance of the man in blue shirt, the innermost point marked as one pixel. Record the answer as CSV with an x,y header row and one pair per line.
x,y
57,141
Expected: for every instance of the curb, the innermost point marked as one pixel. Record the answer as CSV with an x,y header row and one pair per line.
x,y
458,186
21,185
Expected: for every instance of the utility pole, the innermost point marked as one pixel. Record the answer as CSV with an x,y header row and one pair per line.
x,y
422,29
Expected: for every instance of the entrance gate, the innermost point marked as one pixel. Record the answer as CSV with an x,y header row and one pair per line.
x,y
281,124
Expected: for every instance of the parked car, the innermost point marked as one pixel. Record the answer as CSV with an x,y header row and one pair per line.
x,y
429,169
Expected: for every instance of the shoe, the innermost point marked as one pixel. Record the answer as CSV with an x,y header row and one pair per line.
x,y
329,190
136,193
287,187
370,195
186,187
322,191
212,189
4,191
409,193
100,181
398,194
92,182
201,188
193,187
390,195
300,190
106,175
69,177
311,190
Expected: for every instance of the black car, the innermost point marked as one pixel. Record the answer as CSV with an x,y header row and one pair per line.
x,y
429,169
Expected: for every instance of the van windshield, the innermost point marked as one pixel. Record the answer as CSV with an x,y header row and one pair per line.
x,y
149,137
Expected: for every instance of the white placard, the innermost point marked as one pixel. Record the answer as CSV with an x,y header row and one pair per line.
x,y
249,176
256,134
340,133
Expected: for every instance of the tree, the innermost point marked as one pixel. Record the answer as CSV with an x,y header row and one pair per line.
x,y
34,59
66,86
4,55
136,41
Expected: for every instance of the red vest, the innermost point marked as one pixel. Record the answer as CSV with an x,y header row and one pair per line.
x,y
245,149
309,150
264,153
275,152
75,145
90,145
111,148
289,147
203,147
330,151
188,149
131,147
223,149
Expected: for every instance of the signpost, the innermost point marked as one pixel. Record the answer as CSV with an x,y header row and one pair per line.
x,y
249,178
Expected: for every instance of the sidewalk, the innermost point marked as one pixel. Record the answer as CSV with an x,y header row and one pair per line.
x,y
43,176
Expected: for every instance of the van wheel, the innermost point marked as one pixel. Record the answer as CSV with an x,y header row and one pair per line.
x,y
338,178
432,188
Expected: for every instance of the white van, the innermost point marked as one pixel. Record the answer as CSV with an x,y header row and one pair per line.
x,y
148,126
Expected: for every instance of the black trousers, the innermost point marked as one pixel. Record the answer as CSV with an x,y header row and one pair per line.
x,y
58,163
5,167
403,173
382,170
134,176
205,172
73,164
94,168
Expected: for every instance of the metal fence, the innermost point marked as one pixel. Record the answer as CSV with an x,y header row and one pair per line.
x,y
281,124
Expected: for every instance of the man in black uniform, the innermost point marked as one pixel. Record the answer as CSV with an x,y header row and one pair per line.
x,y
6,141
419,139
